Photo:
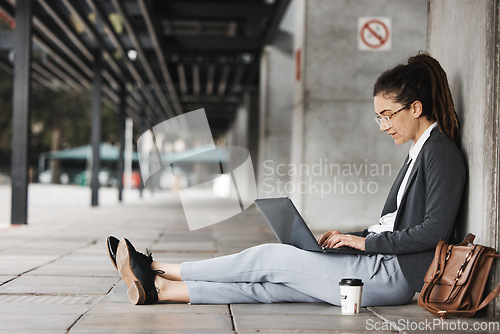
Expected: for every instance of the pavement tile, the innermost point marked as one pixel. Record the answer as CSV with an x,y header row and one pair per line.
x,y
412,318
410,308
295,322
6,242
117,301
28,232
55,323
78,265
34,331
315,331
42,309
106,307
98,248
286,308
46,246
55,275
15,299
175,234
68,285
17,264
153,331
5,278
153,321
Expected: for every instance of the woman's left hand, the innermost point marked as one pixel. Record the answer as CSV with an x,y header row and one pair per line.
x,y
339,240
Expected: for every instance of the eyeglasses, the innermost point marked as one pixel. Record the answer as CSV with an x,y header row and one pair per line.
x,y
386,120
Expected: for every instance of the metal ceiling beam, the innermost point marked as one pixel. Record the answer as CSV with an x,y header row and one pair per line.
x,y
196,79
106,101
80,79
119,74
49,76
38,74
158,46
210,79
119,45
271,32
223,80
114,95
41,82
68,78
67,29
133,104
237,78
42,28
135,114
210,99
142,56
63,75
220,64
206,9
182,78
111,61
8,9
111,94
5,65
213,43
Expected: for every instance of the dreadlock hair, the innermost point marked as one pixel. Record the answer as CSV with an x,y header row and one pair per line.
x,y
422,79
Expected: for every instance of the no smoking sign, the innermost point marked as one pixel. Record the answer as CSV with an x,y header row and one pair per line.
x,y
374,34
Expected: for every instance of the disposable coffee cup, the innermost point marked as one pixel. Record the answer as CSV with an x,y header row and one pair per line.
x,y
350,295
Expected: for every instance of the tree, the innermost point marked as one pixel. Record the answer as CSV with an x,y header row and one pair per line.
x,y
59,120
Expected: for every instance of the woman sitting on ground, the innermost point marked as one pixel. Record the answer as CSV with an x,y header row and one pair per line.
x,y
412,103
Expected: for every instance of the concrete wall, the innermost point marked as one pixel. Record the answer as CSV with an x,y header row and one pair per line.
x,y
463,35
344,164
470,64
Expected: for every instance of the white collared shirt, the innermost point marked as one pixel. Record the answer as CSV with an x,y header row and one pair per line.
x,y
387,221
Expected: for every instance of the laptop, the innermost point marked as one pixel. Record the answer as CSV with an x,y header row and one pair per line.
x,y
290,228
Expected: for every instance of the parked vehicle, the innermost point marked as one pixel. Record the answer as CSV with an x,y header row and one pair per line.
x,y
106,177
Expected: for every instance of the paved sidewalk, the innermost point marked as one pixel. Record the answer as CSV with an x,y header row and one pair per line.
x,y
55,276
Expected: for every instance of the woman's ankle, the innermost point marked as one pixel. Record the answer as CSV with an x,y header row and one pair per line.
x,y
169,271
171,290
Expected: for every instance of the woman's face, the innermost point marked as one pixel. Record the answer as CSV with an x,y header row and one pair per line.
x,y
403,124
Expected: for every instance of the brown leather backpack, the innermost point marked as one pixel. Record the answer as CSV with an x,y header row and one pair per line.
x,y
455,281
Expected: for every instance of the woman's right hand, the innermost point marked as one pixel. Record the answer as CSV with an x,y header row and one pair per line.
x,y
324,237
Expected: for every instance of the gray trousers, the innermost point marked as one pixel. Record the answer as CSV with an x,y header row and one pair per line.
x,y
274,273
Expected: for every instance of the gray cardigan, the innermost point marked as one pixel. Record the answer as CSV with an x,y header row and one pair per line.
x,y
427,211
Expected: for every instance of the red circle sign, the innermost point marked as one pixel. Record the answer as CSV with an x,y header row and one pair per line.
x,y
374,33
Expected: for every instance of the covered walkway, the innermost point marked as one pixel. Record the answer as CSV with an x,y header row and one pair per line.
x,y
55,275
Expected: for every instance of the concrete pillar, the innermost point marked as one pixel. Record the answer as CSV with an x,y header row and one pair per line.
x,y
463,36
21,113
96,129
276,110
121,136
243,134
343,166
240,125
275,121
